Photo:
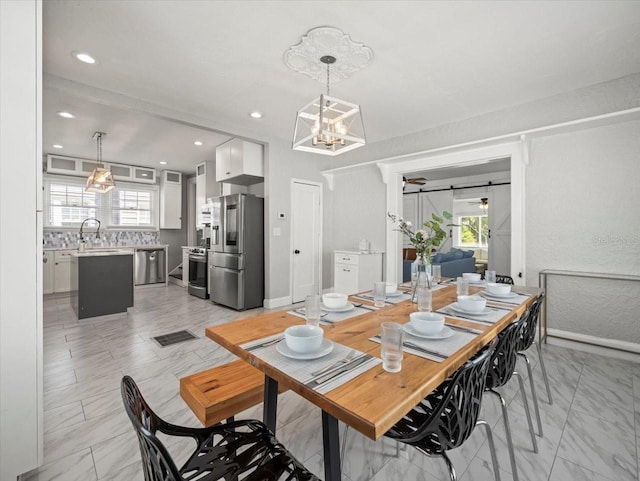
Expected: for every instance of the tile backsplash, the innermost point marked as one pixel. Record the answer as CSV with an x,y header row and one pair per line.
x,y
71,239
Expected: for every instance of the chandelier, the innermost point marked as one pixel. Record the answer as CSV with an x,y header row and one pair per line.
x,y
101,180
328,125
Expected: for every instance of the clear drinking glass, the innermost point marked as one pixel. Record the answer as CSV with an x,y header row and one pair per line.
x,y
436,273
391,341
490,276
379,294
462,286
312,310
424,298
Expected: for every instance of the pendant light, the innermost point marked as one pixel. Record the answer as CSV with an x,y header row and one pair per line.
x,y
328,125
101,180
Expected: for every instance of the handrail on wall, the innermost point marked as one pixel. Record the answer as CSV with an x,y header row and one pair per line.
x,y
542,282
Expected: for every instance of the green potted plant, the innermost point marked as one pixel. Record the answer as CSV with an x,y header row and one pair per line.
x,y
424,240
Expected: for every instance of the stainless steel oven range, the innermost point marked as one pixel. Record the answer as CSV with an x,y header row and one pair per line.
x,y
198,277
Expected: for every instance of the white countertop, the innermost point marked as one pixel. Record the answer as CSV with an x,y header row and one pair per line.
x,y
95,249
103,253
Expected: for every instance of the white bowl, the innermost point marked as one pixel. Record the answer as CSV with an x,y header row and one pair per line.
x,y
303,339
471,276
427,323
498,289
472,303
390,287
334,300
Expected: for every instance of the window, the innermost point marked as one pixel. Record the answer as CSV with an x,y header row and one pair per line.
x,y
128,206
133,206
473,231
68,204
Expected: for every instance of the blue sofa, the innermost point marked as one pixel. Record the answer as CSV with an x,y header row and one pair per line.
x,y
452,263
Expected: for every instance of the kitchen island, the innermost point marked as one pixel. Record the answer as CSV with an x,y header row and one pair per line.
x,y
101,282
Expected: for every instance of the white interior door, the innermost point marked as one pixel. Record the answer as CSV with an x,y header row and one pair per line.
x,y
500,229
306,242
437,202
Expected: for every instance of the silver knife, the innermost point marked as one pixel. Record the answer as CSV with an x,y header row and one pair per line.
x,y
265,344
347,367
455,314
415,347
462,328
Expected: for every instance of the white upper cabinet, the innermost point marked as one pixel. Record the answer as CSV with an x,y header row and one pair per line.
x,y
239,162
170,200
132,173
59,164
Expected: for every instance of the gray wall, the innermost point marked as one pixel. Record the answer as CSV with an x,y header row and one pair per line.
x,y
583,214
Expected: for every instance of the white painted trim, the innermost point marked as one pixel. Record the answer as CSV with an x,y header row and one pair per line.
x,y
320,243
277,302
583,342
553,129
392,174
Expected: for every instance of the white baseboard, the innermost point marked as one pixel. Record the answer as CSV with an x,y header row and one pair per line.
x,y
277,302
606,347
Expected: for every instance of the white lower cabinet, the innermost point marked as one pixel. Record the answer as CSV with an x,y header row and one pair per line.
x,y
62,271
356,271
48,272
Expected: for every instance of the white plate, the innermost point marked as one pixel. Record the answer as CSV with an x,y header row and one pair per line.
x,y
325,348
395,294
478,283
459,309
344,308
511,295
443,334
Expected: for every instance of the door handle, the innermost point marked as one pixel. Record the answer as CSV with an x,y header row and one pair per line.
x,y
489,234
296,251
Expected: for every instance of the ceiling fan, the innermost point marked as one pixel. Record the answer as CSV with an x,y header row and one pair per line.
x,y
483,203
414,180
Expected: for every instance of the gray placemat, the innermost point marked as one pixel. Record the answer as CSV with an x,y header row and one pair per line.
x,y
331,317
440,349
301,370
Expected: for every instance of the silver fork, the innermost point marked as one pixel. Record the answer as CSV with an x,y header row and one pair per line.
x,y
339,362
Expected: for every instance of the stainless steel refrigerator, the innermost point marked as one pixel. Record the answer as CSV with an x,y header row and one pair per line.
x,y
236,256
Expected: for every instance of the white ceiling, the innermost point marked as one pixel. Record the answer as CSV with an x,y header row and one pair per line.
x,y
434,62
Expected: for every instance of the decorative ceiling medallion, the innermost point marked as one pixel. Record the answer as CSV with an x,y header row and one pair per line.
x,y
305,56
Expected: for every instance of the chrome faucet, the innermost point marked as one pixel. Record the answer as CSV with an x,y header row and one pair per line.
x,y
82,227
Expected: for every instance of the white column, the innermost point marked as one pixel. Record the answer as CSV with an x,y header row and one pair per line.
x,y
20,237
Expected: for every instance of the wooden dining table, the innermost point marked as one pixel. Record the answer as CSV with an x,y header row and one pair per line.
x,y
375,400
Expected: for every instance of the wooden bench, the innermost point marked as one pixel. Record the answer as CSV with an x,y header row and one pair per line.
x,y
223,391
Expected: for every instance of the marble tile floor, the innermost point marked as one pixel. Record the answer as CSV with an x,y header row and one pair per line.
x,y
591,432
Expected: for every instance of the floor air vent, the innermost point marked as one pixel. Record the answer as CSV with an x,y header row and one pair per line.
x,y
174,338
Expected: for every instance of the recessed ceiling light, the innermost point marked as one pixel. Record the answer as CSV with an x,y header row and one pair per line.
x,y
84,57
162,162
198,143
145,175
66,115
56,146
255,115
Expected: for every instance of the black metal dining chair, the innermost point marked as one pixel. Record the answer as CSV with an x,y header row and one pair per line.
x,y
503,279
245,449
501,369
445,419
525,341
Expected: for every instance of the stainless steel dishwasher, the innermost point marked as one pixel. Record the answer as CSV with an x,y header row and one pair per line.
x,y
150,267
